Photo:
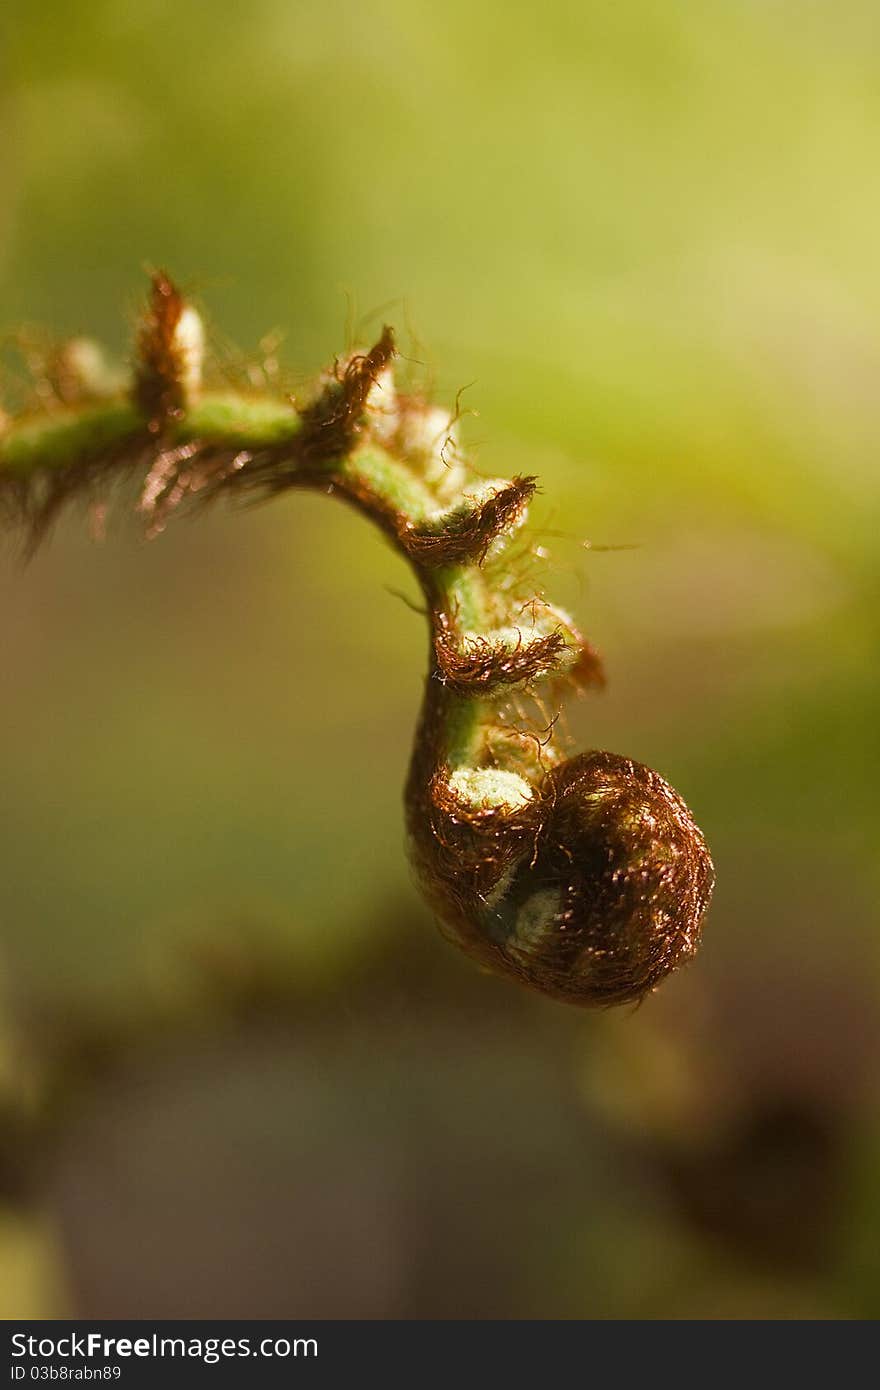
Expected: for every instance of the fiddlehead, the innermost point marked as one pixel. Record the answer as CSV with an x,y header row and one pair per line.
x,y
583,877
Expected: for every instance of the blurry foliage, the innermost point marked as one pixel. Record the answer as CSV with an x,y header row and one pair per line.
x,y
647,232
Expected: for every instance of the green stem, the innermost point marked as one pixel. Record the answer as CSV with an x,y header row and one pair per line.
x,y
232,426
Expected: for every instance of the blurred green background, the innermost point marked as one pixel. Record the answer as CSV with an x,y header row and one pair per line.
x,y
647,233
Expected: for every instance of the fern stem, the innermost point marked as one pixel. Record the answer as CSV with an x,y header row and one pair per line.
x,y
587,877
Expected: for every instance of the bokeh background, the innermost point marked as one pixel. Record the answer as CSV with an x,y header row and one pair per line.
x,y
647,234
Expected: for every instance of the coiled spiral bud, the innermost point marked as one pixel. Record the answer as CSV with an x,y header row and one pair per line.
x,y
611,890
